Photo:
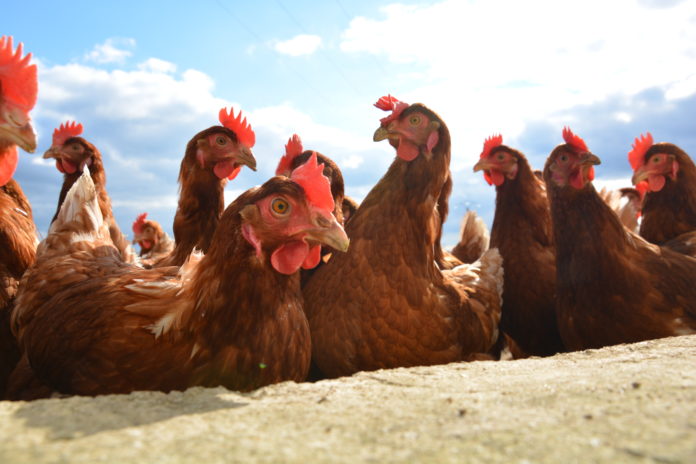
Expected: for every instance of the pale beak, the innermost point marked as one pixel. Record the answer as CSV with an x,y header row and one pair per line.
x,y
483,165
641,174
24,136
589,158
380,134
329,232
246,158
52,152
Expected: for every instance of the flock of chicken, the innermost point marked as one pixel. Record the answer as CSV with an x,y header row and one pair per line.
x,y
270,289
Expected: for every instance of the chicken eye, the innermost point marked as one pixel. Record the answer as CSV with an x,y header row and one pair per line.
x,y
501,157
414,120
280,206
656,159
563,158
221,140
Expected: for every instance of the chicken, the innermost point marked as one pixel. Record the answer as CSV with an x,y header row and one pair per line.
x,y
612,285
72,154
626,204
155,244
474,238
668,176
385,303
212,156
18,237
91,324
522,233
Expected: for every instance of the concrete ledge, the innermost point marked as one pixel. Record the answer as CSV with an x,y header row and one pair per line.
x,y
627,403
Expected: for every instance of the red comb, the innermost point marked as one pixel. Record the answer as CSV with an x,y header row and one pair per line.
x,y
18,77
292,149
392,104
573,140
139,223
66,131
315,184
640,146
490,143
239,126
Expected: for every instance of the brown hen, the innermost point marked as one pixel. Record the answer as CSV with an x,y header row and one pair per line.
x,y
667,175
213,156
155,244
386,303
91,324
612,285
18,237
523,234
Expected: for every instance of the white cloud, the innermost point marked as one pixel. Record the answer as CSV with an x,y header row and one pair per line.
x,y
303,44
494,66
108,52
157,65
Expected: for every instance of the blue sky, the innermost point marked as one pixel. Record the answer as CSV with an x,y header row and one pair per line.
x,y
144,77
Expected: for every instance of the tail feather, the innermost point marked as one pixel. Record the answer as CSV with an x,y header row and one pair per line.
x,y
474,238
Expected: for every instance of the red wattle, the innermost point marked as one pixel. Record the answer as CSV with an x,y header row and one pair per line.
x,y
656,182
8,164
313,257
407,151
226,169
497,177
288,257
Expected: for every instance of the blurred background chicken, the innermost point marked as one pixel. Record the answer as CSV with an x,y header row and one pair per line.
x,y
612,285
155,244
213,156
386,303
91,324
18,236
523,234
668,176
73,154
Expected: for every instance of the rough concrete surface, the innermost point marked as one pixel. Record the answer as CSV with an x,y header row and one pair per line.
x,y
628,403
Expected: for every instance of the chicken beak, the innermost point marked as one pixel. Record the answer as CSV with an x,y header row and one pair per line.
x,y
380,134
591,159
246,158
640,175
52,152
328,231
483,165
24,135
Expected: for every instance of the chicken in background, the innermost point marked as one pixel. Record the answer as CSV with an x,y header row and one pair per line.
x,y
213,156
386,303
155,244
522,232
626,203
667,175
91,324
612,285
72,154
474,239
18,236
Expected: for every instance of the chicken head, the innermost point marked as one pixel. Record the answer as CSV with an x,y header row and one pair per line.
x,y
497,161
571,163
290,223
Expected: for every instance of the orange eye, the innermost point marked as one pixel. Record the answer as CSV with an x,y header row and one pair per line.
x,y
656,159
221,140
414,120
280,206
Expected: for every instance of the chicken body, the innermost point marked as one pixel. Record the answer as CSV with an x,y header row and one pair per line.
x,y
91,324
211,157
612,285
523,234
385,303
